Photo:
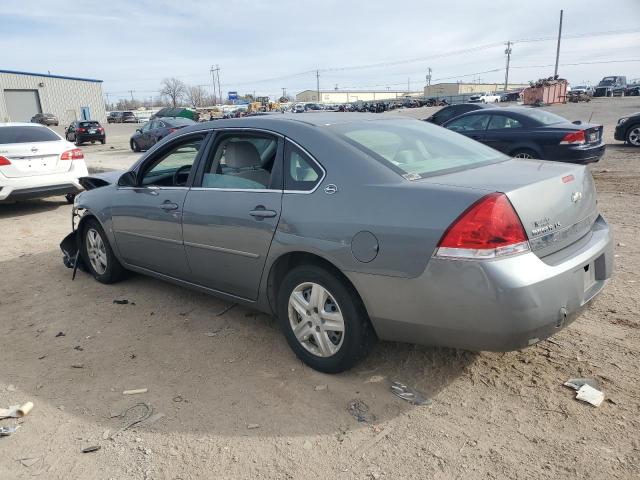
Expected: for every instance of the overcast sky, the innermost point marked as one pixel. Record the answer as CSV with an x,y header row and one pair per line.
x,y
264,45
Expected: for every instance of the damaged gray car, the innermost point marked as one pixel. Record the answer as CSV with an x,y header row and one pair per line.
x,y
354,227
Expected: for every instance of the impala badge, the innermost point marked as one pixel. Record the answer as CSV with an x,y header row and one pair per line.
x,y
330,189
576,197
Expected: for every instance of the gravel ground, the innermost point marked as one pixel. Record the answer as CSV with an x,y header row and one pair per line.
x,y
238,404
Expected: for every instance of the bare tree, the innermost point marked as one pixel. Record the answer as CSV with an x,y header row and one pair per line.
x,y
173,88
196,96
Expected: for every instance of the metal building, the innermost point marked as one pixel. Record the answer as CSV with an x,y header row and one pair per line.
x,y
23,94
444,89
347,96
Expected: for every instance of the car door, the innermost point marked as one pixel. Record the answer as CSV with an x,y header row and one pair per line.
x,y
503,131
147,217
472,125
69,135
145,135
230,217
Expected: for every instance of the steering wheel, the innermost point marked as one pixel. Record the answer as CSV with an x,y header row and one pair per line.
x,y
178,172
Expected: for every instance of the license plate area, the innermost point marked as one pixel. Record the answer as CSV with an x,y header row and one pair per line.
x,y
92,131
589,276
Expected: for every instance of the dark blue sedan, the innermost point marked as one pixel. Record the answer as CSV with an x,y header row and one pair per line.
x,y
532,133
155,130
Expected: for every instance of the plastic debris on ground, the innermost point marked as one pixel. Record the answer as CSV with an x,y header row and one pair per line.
x,y
6,431
360,411
588,390
16,411
409,394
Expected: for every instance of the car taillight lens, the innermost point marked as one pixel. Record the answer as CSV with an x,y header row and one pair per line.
x,y
4,161
75,154
80,130
490,228
171,130
101,130
574,138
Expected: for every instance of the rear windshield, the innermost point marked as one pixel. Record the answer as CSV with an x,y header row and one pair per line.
x,y
416,149
178,121
89,124
544,117
128,114
26,135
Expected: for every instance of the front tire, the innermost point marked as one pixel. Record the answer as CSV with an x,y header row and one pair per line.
x,y
323,319
97,254
134,146
633,135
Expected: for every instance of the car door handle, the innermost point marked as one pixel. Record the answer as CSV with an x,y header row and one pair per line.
x,y
167,205
261,212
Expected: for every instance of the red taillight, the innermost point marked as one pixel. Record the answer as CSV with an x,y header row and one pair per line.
x,y
489,228
80,130
171,130
75,154
101,130
574,138
4,161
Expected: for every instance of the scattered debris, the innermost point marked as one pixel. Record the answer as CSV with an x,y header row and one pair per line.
x,y
121,302
409,394
79,348
178,399
146,415
360,411
319,388
42,357
105,434
307,445
135,392
93,448
588,390
60,334
29,461
6,431
253,426
620,244
154,418
211,334
11,388
16,411
77,365
375,379
225,310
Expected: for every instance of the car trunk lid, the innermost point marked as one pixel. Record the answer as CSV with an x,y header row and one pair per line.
x,y
37,158
556,202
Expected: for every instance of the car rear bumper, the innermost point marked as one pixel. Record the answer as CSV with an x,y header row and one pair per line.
x,y
91,136
497,305
577,154
40,186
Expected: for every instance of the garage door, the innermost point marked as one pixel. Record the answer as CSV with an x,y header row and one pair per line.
x,y
22,104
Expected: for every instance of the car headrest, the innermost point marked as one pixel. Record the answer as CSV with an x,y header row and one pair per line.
x,y
241,155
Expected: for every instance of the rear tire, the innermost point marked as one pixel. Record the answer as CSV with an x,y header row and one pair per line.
x,y
633,135
524,153
78,142
134,146
320,347
97,254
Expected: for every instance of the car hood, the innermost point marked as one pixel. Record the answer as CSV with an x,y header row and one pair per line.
x,y
100,179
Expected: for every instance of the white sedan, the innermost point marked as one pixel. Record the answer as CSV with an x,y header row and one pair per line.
x,y
36,162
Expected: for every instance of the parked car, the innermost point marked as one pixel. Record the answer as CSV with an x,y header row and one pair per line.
x,y
45,119
298,108
349,227
447,113
532,133
512,96
628,129
485,98
613,86
633,89
582,89
36,162
82,131
114,117
128,117
152,132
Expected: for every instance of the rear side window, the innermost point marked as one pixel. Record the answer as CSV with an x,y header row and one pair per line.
x,y
26,135
415,149
301,172
502,121
470,123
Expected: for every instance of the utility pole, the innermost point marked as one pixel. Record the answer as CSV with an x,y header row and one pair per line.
x,y
429,77
213,80
408,85
506,74
107,95
555,72
131,92
318,85
218,75
284,92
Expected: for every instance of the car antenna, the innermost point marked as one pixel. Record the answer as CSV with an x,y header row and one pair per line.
x,y
590,116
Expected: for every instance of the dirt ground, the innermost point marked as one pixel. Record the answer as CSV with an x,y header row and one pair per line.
x,y
236,403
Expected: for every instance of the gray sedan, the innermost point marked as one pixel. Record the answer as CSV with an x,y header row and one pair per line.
x,y
353,227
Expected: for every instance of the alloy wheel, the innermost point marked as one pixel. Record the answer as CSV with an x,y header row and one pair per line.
x,y
316,319
96,251
523,155
634,136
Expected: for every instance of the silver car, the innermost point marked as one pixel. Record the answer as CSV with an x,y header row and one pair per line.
x,y
354,227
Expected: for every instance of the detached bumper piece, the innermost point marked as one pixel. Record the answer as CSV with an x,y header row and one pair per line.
x,y
71,257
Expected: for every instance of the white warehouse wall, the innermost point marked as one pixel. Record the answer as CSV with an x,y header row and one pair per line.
x,y
61,96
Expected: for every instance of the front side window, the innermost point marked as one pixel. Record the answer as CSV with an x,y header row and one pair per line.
x,y
470,123
301,172
147,126
171,168
415,149
502,121
242,162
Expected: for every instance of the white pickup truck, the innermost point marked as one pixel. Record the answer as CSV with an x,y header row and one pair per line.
x,y
485,98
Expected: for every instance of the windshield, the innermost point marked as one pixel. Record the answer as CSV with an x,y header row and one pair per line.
x,y
608,81
544,117
415,149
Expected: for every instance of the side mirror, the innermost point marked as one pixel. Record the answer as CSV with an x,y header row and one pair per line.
x,y
577,122
128,179
139,130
